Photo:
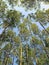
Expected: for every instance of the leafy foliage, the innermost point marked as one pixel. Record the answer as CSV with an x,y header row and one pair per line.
x,y
30,45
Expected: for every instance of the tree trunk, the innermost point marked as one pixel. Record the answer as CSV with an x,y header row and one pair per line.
x,y
20,53
27,55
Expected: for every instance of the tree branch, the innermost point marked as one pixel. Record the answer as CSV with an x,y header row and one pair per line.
x,y
43,27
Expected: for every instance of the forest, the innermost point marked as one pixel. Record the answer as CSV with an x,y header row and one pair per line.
x,y
24,37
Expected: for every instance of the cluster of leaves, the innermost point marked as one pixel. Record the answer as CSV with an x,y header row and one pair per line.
x,y
42,16
3,7
12,19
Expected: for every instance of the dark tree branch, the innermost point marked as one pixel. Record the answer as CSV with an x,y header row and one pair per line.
x,y
43,27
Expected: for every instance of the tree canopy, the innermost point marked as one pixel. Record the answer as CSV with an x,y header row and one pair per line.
x,y
27,44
